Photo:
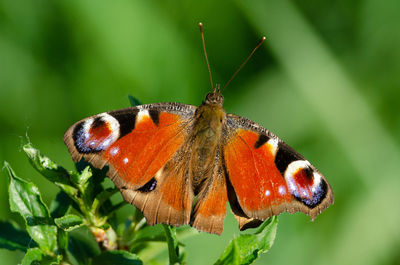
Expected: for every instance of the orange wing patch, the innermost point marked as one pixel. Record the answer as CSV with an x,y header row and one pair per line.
x,y
167,197
138,156
257,182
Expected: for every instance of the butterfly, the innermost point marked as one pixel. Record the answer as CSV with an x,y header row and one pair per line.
x,y
180,164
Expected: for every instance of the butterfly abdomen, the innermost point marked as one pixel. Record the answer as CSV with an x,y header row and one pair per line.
x,y
207,135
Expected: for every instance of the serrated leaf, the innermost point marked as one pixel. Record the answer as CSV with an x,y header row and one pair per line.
x,y
119,257
13,238
69,222
82,177
248,247
35,256
25,199
50,170
173,245
86,187
60,205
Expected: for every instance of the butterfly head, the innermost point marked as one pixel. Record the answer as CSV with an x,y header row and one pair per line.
x,y
215,98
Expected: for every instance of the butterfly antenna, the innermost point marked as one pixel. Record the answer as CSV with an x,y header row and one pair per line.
x,y
245,61
205,55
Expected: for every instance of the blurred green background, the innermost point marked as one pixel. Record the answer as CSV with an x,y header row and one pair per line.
x,y
327,81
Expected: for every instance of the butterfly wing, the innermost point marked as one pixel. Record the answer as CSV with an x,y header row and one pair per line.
x,y
267,177
143,147
210,208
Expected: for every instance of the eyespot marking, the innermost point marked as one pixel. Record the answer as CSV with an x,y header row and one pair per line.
x,y
95,134
305,184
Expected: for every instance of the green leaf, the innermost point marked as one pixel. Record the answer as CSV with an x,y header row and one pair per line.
x,y
136,240
134,101
102,197
82,247
25,199
69,222
83,177
230,255
60,205
151,233
50,170
35,256
246,248
173,245
86,187
62,240
13,238
119,257
109,209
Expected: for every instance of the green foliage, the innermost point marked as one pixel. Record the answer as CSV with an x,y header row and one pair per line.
x,y
117,257
173,249
12,238
36,256
245,249
26,200
69,222
326,80
57,236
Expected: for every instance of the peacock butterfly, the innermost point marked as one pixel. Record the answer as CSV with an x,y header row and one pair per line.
x,y
180,164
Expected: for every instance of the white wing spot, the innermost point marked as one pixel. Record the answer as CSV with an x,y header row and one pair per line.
x,y
282,190
106,143
114,151
126,160
142,113
267,193
273,142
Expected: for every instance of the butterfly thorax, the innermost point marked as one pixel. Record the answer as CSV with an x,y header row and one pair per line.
x,y
207,133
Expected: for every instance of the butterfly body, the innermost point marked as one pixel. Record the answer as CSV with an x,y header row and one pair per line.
x,y
180,164
206,134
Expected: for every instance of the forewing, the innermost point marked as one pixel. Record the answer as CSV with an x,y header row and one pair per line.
x,y
141,146
267,176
